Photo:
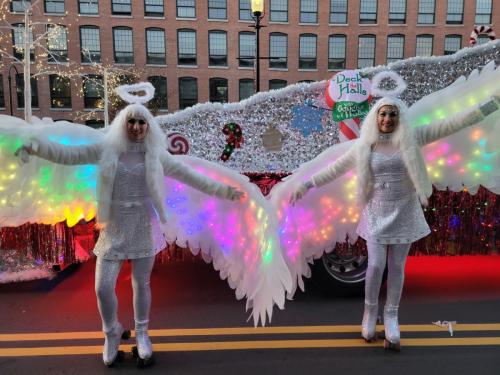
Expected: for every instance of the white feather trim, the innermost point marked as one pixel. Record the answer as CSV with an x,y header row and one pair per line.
x,y
393,76
125,92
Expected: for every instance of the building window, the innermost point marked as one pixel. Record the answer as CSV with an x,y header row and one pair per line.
x,y
60,91
155,46
54,6
395,48
275,84
307,51
218,90
90,43
483,12
245,10
482,39
246,88
368,11
2,99
217,48
336,52
93,92
88,6
186,8
246,49
217,9
123,45
188,92
153,8
57,43
426,12
186,45
424,45
279,10
308,11
160,100
19,5
338,11
121,7
96,124
455,13
397,11
20,91
18,42
366,51
278,50
452,43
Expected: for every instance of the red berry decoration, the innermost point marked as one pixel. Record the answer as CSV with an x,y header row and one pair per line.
x,y
234,139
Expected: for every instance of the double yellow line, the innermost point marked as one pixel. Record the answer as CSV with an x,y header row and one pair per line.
x,y
245,344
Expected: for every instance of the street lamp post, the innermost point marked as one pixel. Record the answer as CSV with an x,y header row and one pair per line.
x,y
10,85
257,14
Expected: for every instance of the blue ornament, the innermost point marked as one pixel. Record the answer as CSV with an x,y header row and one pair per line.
x,y
307,119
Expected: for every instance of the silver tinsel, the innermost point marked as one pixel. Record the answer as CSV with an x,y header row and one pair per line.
x,y
202,124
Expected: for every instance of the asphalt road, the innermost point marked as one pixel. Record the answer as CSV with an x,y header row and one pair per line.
x,y
52,327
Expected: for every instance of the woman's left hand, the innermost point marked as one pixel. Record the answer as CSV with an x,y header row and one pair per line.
x,y
233,194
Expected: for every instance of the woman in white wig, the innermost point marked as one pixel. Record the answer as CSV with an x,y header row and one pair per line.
x,y
392,185
133,161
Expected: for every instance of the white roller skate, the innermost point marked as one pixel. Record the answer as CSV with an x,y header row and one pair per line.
x,y
112,338
369,323
391,325
143,352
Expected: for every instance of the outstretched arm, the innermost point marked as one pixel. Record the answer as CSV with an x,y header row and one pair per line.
x,y
57,153
183,173
430,133
328,174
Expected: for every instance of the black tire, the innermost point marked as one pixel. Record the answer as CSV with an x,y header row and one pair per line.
x,y
340,276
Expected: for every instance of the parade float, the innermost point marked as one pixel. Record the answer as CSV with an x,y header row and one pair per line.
x,y
270,134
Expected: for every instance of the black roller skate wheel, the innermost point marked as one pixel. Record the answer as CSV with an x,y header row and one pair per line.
x,y
141,362
135,352
126,334
396,347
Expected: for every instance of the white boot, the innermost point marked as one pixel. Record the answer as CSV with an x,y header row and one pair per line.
x,y
369,323
391,324
111,343
144,347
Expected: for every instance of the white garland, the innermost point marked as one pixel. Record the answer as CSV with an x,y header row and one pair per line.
x,y
393,76
125,92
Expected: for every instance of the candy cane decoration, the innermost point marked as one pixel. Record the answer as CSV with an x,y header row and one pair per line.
x,y
481,30
177,144
234,139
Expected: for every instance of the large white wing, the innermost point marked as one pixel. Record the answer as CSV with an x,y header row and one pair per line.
x,y
240,238
41,191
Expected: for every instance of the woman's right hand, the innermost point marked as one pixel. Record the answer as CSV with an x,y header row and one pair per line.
x,y
24,152
300,192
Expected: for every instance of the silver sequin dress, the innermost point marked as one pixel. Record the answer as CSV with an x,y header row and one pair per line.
x,y
130,231
393,215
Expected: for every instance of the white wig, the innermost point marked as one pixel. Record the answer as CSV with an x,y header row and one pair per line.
x,y
116,138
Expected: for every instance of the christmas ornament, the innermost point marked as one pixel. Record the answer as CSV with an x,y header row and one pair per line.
x,y
234,139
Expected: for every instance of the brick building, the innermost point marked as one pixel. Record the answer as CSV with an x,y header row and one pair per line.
x,y
202,50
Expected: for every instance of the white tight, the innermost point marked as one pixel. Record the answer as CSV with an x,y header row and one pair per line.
x,y
106,273
378,256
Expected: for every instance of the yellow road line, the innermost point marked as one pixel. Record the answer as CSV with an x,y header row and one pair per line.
x,y
247,345
243,331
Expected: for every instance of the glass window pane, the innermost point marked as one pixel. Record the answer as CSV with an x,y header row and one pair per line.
x,y
275,84
160,100
217,47
54,6
424,45
93,91
90,44
452,43
307,51
153,8
336,52
122,7
186,44
245,10
308,11
455,14
188,92
155,46
483,12
368,11
20,91
395,48
278,44
426,11
124,48
186,8
218,90
366,51
397,11
279,10
246,88
57,44
88,6
338,11
217,9
247,49
60,91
